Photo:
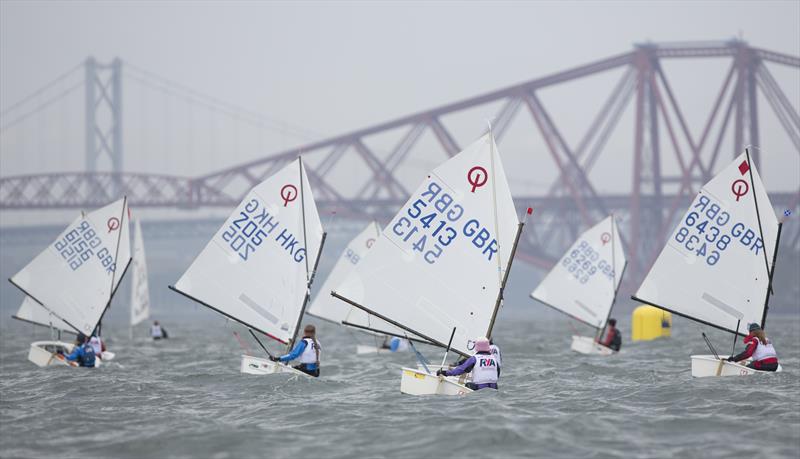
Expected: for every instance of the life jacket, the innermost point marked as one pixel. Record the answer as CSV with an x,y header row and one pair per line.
x,y
96,344
764,351
310,353
616,342
155,331
496,353
485,369
87,357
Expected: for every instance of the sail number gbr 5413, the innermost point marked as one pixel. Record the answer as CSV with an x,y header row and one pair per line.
x,y
431,223
707,231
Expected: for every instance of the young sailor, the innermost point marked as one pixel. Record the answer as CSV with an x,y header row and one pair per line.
x,y
83,352
484,367
307,350
156,332
495,350
759,348
613,338
98,346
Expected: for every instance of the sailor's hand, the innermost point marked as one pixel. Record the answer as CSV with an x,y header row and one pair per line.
x,y
440,372
730,359
273,358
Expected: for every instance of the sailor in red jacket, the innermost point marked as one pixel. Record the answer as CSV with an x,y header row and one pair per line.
x,y
613,339
759,348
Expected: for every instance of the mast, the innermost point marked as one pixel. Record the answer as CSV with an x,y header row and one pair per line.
x,y
505,276
309,276
614,285
771,273
112,290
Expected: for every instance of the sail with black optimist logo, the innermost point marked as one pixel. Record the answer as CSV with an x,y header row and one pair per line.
x,y
583,284
258,267
716,267
442,262
75,277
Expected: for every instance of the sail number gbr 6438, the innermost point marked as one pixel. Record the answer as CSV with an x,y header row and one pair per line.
x,y
708,231
433,221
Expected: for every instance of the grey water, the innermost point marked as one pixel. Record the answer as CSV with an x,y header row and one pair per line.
x,y
185,397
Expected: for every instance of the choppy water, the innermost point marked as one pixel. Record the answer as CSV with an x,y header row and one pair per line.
x,y
185,397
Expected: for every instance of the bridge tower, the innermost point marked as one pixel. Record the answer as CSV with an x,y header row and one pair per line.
x,y
103,114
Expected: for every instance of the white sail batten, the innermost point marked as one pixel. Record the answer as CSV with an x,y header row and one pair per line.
x,y
435,266
256,268
584,282
75,276
713,268
33,312
324,305
140,291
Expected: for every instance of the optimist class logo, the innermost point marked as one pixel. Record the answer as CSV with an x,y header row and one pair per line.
x,y
740,187
477,177
112,223
604,238
288,194
370,241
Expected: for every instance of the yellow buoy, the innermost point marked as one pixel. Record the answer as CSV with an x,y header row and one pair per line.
x,y
650,322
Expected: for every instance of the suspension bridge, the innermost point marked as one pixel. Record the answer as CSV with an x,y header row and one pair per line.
x,y
367,173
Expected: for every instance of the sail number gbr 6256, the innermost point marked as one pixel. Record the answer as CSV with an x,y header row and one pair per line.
x,y
433,221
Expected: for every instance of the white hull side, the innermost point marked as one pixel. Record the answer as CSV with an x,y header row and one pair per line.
x,y
415,382
460,379
587,345
361,349
258,366
707,365
43,354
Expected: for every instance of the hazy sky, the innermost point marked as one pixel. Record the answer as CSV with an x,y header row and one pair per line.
x,y
331,67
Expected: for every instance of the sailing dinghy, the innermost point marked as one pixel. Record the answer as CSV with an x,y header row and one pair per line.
x,y
70,284
717,266
329,308
259,267
439,268
584,283
140,292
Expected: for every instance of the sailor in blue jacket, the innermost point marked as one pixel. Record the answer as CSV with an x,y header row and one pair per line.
x,y
83,352
307,351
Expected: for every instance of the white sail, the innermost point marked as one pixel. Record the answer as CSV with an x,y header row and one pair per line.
x,y
713,268
33,312
324,305
140,292
584,282
441,261
257,267
74,277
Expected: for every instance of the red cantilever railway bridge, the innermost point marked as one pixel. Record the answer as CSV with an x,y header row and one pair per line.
x,y
572,201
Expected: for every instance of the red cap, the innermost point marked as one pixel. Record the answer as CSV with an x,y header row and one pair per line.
x,y
530,210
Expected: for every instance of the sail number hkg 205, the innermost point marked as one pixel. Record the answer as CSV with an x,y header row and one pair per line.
x,y
431,223
253,225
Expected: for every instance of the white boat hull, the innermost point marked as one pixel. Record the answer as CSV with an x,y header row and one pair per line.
x,y
460,379
258,366
44,354
361,350
587,345
707,365
416,382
